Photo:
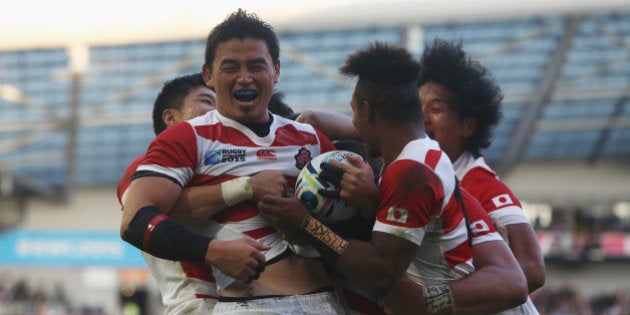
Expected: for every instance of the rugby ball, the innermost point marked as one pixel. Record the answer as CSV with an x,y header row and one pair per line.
x,y
327,210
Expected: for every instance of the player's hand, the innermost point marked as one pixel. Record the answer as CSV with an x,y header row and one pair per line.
x,y
268,183
241,259
332,174
284,213
405,298
356,182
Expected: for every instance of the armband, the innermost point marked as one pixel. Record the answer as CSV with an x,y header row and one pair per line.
x,y
330,245
157,234
237,190
438,299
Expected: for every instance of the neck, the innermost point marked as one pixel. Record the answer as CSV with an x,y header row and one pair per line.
x,y
394,140
453,153
260,129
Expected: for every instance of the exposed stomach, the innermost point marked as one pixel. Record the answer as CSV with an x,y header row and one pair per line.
x,y
293,275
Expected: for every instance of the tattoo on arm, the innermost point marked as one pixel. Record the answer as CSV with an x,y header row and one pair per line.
x,y
439,299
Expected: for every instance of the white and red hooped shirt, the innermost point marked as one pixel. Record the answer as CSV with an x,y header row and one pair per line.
x,y
208,150
212,148
418,203
497,199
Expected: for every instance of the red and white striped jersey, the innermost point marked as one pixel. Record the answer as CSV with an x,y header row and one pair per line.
x,y
484,184
212,148
418,203
497,199
186,288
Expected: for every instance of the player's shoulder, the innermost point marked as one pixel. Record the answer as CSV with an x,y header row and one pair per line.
x,y
301,132
134,164
300,126
479,174
131,168
209,117
484,185
481,179
177,129
409,171
470,167
426,151
125,179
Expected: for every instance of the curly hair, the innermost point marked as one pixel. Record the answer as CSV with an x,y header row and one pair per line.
x,y
241,25
475,90
386,79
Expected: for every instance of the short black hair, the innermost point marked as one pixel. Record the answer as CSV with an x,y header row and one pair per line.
x,y
279,107
387,77
475,90
172,97
241,25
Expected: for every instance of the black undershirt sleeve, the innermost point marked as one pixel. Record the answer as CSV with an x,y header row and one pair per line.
x,y
155,233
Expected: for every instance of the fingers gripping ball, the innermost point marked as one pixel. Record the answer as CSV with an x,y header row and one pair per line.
x,y
325,207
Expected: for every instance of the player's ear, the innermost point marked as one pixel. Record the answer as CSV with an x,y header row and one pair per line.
x,y
207,75
470,126
276,76
169,117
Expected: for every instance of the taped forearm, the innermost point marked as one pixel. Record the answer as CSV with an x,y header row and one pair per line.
x,y
237,190
157,234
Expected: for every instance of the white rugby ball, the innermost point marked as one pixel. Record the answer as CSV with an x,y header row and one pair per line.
x,y
327,210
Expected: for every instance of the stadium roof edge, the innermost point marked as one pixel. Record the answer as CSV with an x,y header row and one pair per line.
x,y
398,12
440,11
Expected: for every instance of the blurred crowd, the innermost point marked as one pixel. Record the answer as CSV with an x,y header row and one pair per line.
x,y
22,298
567,300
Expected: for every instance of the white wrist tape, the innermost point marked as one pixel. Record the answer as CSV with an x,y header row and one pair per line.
x,y
237,190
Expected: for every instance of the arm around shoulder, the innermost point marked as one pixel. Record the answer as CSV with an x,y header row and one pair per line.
x,y
335,126
497,284
202,202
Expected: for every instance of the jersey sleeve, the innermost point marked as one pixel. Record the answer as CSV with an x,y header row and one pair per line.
x,y
324,143
495,197
125,179
409,195
480,224
172,154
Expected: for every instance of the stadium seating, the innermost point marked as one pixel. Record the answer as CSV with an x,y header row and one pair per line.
x,y
586,115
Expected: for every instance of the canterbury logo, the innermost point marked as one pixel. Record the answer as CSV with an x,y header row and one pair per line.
x,y
266,155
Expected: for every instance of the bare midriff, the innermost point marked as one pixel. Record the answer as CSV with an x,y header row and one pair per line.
x,y
294,275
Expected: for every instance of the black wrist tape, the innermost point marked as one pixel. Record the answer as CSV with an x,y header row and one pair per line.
x,y
328,243
157,234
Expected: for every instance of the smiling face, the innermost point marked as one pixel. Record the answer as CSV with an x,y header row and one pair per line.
x,y
443,124
243,75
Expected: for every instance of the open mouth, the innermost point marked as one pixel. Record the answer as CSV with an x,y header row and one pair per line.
x,y
245,95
